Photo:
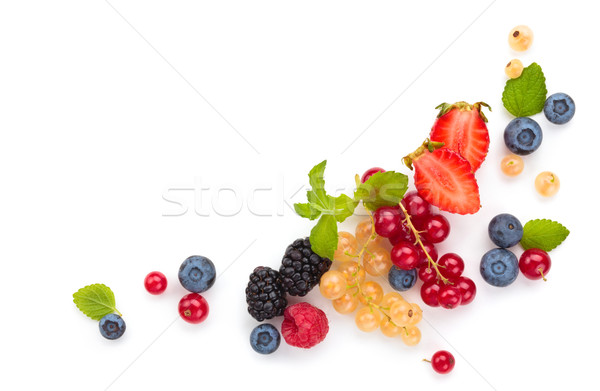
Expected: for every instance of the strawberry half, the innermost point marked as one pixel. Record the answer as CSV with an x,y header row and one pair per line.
x,y
461,127
444,178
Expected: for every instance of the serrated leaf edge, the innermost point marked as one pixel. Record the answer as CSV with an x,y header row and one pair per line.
x,y
110,298
523,110
541,221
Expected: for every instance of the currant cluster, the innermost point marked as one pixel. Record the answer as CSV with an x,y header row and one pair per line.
x,y
413,230
348,289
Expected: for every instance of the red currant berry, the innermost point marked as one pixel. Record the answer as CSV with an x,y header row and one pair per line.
x,y
442,362
449,296
415,205
431,250
451,265
467,289
193,308
437,228
426,273
155,283
369,173
429,293
403,234
535,264
387,221
419,222
405,256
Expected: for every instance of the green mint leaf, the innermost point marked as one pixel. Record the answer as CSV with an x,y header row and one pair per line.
x,y
382,189
525,95
343,207
307,211
543,234
95,301
319,202
324,236
316,178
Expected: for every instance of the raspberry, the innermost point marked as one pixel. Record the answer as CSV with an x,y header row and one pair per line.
x,y
304,326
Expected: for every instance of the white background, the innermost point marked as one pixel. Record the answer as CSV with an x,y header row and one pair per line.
x,y
105,109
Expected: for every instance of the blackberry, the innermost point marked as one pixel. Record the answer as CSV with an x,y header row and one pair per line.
x,y
264,294
301,268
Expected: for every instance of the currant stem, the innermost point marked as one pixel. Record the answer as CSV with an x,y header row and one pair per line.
x,y
357,285
426,360
359,256
542,273
418,240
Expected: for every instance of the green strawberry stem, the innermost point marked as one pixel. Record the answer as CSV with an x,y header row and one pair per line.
x,y
418,240
463,106
427,145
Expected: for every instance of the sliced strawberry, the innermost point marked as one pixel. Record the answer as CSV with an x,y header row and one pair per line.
x,y
444,179
461,127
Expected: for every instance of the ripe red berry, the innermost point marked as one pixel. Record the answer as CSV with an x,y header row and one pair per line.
x,y
415,205
155,283
442,362
449,296
535,264
304,325
431,250
451,265
467,289
403,234
445,179
429,293
437,228
369,173
419,222
426,273
405,256
193,308
387,221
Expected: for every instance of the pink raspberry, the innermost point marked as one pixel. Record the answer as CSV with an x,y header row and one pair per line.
x,y
304,326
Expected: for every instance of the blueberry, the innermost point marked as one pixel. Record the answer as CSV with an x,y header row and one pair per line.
x,y
197,274
402,280
505,230
523,136
112,326
265,339
559,108
499,267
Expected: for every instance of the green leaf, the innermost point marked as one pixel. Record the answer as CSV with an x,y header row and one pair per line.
x,y
343,207
316,178
306,211
324,236
95,301
543,234
382,189
319,202
526,95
